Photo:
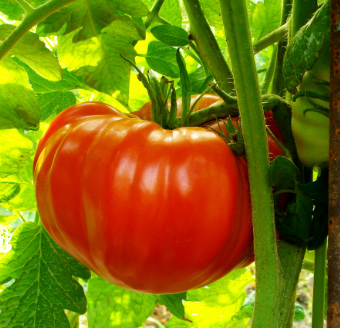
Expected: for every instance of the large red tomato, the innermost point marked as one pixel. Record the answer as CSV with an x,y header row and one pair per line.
x,y
148,209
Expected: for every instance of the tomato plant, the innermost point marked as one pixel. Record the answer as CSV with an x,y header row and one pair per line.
x,y
149,205
110,212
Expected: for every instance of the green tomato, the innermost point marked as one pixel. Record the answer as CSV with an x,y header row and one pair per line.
x,y
311,130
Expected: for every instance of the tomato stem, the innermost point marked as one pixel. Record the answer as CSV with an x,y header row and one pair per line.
x,y
269,74
271,38
223,109
207,45
153,17
269,282
319,286
278,80
26,6
302,11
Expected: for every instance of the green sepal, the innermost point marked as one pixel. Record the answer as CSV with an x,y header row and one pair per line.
x,y
186,88
173,109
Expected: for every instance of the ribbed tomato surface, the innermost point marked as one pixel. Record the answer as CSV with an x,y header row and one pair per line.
x,y
148,209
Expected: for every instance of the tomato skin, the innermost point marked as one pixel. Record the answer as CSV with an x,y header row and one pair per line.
x,y
311,130
148,209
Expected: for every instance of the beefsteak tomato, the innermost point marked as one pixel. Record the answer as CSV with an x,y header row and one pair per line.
x,y
148,209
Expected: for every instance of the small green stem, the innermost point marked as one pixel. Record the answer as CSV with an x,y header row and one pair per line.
x,y
36,218
153,17
319,286
191,54
205,68
273,37
269,74
207,45
278,79
21,217
33,18
26,6
225,96
73,319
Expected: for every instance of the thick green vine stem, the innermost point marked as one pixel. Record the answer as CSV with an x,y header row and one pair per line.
x,y
25,5
32,18
301,13
271,38
223,109
269,281
278,85
207,45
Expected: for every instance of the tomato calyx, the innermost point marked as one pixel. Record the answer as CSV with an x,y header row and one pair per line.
x,y
232,136
309,95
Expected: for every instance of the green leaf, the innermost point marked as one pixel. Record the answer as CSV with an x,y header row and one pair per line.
x,y
25,199
295,224
212,12
53,97
198,81
265,18
162,59
18,104
305,48
246,310
111,306
43,284
34,53
214,305
319,228
171,11
15,151
171,35
88,18
98,61
14,11
174,303
8,190
283,173
318,191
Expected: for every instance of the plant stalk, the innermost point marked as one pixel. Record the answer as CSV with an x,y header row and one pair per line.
x,y
222,109
269,74
207,45
278,84
302,12
268,269
319,286
273,37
